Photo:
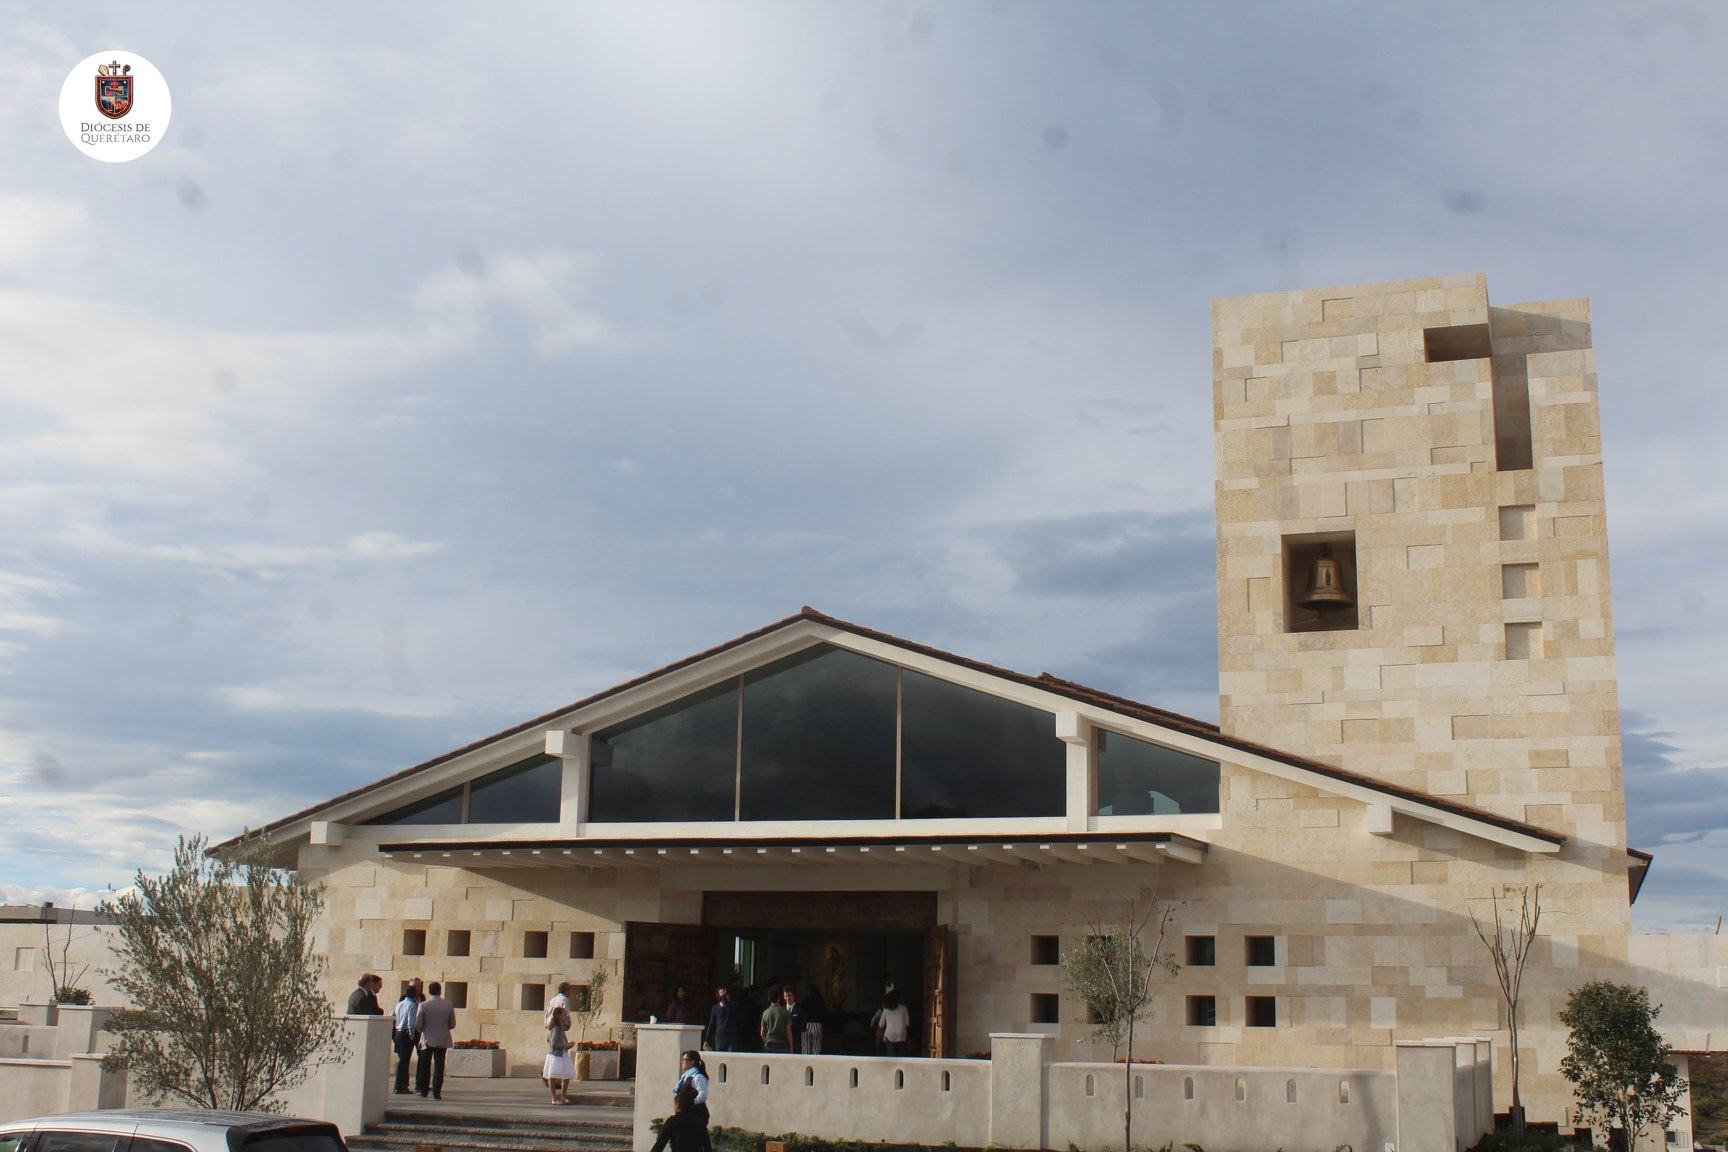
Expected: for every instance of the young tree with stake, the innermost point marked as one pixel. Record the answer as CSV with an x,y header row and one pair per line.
x,y
1509,947
1112,971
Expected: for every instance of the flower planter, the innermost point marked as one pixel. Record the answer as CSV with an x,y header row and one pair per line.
x,y
474,1062
602,1065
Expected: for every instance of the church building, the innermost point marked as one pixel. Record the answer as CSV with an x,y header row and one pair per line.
x,y
1417,710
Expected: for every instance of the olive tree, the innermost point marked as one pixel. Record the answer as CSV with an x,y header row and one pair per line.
x,y
585,1008
1112,971
1617,1061
227,1005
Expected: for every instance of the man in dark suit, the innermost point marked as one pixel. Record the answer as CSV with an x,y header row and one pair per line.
x,y
363,1001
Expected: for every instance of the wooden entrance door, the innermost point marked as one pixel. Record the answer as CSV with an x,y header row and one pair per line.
x,y
658,958
939,991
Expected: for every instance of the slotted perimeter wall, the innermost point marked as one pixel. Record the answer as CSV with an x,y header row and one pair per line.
x,y
1437,1099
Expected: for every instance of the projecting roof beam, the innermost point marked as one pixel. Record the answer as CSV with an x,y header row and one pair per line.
x,y
1187,853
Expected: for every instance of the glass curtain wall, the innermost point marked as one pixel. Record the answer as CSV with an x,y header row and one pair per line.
x,y
526,792
829,734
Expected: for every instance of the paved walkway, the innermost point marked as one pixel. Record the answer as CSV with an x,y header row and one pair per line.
x,y
522,1098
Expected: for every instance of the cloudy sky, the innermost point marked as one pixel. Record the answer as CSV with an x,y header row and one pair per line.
x,y
445,364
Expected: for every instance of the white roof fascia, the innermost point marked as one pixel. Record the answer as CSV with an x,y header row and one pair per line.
x,y
517,746
477,762
680,682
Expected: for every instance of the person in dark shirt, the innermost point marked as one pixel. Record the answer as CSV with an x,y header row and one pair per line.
x,y
363,1001
685,1129
720,1035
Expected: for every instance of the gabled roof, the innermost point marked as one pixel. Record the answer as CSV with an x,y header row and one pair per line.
x,y
1285,764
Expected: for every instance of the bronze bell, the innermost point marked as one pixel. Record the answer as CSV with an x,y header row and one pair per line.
x,y
1327,593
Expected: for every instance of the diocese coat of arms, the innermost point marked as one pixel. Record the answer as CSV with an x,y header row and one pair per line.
x,y
114,89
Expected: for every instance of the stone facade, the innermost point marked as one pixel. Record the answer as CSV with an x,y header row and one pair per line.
x,y
1454,451
1449,452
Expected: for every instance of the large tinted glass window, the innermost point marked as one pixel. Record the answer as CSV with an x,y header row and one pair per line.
x,y
1136,778
819,738
524,793
675,763
966,753
444,808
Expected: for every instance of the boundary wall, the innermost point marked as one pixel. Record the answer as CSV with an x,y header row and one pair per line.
x,y
1437,1100
51,1062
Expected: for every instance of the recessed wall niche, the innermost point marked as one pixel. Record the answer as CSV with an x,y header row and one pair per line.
x,y
1320,589
1456,342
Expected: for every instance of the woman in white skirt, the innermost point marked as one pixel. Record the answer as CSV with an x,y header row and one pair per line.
x,y
560,1067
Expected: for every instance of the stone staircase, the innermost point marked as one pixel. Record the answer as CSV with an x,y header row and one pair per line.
x,y
587,1128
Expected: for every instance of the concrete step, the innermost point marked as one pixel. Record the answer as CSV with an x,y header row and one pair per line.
x,y
373,1141
603,1120
580,1137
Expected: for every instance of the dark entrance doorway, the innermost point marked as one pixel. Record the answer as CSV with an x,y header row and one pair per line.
x,y
851,945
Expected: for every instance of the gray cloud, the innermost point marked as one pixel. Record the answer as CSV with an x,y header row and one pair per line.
x,y
897,311
1108,553
1667,801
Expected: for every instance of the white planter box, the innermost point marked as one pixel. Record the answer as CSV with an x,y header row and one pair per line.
x,y
601,1065
474,1062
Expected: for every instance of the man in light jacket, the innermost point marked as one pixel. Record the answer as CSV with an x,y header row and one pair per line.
x,y
437,1027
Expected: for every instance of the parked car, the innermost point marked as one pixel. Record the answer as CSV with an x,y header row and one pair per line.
x,y
169,1130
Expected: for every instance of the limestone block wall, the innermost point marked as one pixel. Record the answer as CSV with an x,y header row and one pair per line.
x,y
1451,450
373,907
1372,942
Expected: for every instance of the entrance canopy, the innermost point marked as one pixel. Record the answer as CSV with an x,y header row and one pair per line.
x,y
1143,848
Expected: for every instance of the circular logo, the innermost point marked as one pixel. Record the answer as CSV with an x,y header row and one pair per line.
x,y
115,106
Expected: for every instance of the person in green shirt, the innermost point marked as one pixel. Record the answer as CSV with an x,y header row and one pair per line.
x,y
777,1027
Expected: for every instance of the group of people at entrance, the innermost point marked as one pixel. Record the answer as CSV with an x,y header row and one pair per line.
x,y
789,1023
737,1022
422,1028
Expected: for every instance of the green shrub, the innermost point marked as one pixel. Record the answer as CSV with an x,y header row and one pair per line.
x,y
1503,1141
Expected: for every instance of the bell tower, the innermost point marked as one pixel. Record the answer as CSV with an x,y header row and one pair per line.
x,y
1412,546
